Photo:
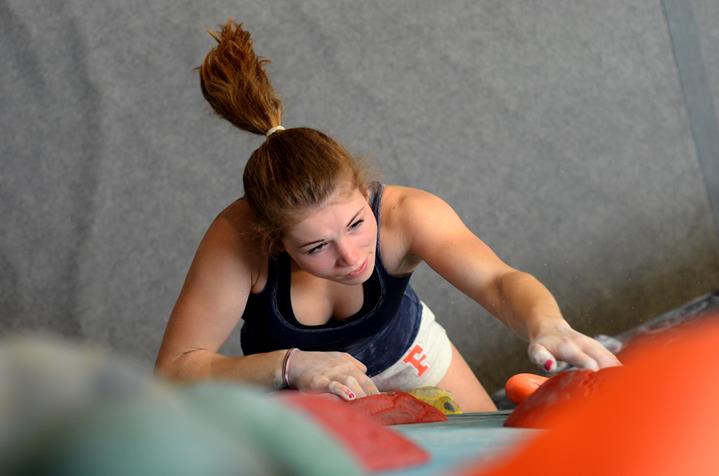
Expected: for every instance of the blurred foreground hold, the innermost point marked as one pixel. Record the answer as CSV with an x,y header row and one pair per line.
x,y
70,409
657,415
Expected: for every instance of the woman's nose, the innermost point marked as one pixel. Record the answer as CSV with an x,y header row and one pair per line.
x,y
347,254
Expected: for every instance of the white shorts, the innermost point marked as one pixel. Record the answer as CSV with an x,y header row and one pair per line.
x,y
426,361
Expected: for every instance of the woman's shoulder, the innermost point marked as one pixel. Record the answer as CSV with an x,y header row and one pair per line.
x,y
232,224
409,210
401,203
233,230
400,207
236,215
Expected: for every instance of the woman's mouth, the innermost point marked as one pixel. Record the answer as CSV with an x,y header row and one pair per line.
x,y
359,271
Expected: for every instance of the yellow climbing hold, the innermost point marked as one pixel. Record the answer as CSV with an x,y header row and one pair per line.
x,y
440,399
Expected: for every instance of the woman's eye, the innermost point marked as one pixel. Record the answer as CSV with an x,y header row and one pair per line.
x,y
356,224
316,249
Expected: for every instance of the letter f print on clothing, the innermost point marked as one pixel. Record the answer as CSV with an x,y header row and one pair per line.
x,y
416,357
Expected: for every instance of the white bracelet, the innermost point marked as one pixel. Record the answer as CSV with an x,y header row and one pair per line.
x,y
286,367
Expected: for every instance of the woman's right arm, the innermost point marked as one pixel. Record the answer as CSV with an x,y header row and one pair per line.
x,y
209,307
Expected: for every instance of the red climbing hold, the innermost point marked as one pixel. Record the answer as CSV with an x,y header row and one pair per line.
x,y
396,408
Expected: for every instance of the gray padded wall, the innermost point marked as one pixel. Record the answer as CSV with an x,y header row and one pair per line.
x,y
707,12
558,131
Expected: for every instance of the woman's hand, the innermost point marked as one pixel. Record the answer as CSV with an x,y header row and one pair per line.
x,y
559,342
329,372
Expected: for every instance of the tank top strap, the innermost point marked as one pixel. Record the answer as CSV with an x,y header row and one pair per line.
x,y
376,189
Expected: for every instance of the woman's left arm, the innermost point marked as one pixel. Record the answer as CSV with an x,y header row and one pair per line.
x,y
435,234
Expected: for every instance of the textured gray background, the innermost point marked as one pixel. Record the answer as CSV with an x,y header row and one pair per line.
x,y
557,129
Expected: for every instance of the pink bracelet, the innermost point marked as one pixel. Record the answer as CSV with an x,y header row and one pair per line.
x,y
286,367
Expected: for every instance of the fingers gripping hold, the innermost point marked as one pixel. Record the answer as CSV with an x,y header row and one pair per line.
x,y
581,351
341,390
333,372
541,357
600,354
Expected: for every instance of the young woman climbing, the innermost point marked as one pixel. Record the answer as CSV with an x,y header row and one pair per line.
x,y
316,262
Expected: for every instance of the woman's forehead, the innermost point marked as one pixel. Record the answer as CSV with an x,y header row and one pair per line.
x,y
338,210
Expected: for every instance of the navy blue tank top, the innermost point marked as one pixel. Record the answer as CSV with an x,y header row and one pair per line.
x,y
377,335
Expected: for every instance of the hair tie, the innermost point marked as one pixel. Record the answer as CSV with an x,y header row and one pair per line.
x,y
273,130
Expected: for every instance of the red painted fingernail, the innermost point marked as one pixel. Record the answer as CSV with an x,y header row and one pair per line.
x,y
548,365
350,395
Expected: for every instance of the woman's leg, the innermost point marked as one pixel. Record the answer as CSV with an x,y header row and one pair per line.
x,y
469,394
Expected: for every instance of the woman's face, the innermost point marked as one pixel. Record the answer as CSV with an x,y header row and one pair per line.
x,y
336,240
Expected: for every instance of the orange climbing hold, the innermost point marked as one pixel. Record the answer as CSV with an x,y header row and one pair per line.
x,y
521,386
656,416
